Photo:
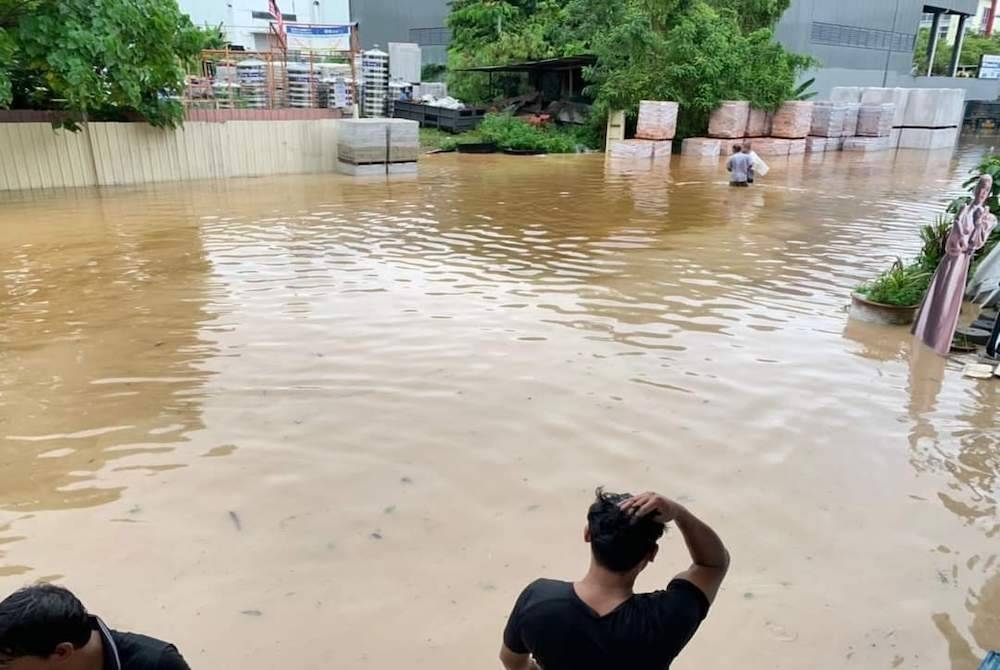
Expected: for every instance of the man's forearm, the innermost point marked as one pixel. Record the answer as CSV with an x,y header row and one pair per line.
x,y
704,545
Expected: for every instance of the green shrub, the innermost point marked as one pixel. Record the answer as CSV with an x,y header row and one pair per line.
x,y
902,285
510,132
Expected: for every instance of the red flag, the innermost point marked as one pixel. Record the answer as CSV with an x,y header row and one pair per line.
x,y
272,7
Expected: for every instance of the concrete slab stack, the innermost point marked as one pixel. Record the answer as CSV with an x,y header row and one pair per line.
x,y
867,144
875,120
657,120
758,123
928,138
377,146
405,62
702,146
639,148
828,119
819,145
846,94
932,118
851,119
730,119
793,120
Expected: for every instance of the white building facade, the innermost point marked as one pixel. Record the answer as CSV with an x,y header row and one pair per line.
x,y
245,22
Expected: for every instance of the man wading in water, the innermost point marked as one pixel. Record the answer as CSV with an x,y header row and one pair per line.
x,y
598,622
46,628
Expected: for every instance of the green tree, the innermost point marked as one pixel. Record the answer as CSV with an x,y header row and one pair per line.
x,y
701,59
974,47
753,14
98,58
695,52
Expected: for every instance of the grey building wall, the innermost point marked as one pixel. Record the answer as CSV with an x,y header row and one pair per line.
x,y
868,42
420,21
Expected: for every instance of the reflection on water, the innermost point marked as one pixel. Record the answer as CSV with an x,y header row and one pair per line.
x,y
100,344
353,357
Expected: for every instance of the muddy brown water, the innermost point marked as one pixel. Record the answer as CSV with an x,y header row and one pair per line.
x,y
311,422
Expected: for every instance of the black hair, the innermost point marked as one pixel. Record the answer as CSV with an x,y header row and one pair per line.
x,y
618,540
37,619
737,148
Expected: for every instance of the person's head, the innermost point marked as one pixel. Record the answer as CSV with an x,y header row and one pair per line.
x,y
619,542
746,147
983,189
41,628
737,148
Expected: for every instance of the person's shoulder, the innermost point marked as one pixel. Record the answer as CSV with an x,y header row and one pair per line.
x,y
681,598
141,652
548,588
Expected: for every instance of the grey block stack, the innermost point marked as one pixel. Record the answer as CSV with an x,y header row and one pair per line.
x,y
828,119
875,120
730,119
377,146
793,120
932,118
851,119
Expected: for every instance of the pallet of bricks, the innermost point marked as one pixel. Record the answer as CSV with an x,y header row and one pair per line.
x,y
371,147
654,134
736,123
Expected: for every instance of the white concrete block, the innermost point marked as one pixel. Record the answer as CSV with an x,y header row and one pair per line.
x,y
928,138
376,170
828,119
866,144
403,168
846,94
701,146
657,120
631,149
851,119
881,96
952,112
818,145
875,120
405,61
730,119
922,107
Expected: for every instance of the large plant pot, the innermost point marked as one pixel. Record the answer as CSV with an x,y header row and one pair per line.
x,y
865,310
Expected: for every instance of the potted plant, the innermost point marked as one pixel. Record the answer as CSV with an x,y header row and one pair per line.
x,y
892,298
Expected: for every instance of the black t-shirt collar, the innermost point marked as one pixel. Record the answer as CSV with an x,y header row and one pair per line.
x,y
111,659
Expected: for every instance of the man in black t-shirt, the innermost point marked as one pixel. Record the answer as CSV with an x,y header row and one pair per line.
x,y
46,627
599,622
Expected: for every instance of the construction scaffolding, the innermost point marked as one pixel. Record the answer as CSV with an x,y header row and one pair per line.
x,y
294,74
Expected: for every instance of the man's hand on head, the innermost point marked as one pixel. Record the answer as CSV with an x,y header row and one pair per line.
x,y
663,509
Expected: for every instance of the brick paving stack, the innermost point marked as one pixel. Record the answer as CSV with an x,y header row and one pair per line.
x,y
369,147
654,134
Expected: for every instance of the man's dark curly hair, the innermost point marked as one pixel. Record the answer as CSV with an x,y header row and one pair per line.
x,y
37,619
618,540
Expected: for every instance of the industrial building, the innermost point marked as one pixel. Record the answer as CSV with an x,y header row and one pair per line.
x,y
856,42
245,22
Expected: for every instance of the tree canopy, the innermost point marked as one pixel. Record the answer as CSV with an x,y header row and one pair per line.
x,y
695,52
973,48
97,58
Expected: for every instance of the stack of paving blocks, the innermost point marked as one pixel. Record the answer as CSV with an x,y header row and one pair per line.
x,y
898,97
932,119
827,132
854,119
654,134
368,147
759,123
921,119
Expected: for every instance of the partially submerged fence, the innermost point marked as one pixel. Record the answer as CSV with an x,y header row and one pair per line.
x,y
34,156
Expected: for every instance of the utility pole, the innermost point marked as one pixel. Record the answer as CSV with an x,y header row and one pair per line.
x,y
990,18
888,51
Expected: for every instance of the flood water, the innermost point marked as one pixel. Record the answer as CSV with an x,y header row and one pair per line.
x,y
318,423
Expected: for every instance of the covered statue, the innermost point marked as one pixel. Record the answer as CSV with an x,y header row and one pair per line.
x,y
939,312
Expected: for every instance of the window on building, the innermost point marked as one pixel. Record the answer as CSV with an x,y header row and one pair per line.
x,y
427,37
267,16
